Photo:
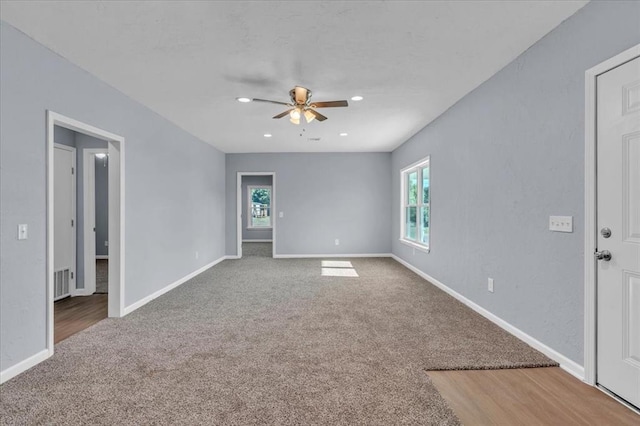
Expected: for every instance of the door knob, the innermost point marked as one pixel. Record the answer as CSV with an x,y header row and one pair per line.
x,y
603,255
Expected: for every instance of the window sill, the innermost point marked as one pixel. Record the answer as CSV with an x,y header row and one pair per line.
x,y
416,246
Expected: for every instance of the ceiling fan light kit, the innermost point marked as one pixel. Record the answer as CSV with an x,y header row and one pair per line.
x,y
301,105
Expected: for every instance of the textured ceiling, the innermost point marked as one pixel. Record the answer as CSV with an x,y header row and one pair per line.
x,y
188,61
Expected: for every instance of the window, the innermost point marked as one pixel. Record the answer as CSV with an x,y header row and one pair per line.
x,y
259,207
415,216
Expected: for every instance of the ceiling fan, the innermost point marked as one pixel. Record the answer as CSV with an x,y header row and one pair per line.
x,y
301,105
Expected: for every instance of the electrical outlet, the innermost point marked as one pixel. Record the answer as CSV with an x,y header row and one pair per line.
x,y
281,215
337,242
561,223
490,285
106,243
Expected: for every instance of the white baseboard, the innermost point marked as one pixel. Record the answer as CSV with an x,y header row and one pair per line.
x,y
232,257
149,298
24,365
102,256
257,241
566,364
310,256
82,292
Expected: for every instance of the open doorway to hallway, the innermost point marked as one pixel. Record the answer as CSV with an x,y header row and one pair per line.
x,y
74,311
81,211
256,214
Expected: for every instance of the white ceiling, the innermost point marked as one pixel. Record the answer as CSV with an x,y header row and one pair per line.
x,y
189,60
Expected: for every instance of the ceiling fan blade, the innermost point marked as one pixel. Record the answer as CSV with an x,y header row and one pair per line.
x,y
317,115
282,114
271,102
329,104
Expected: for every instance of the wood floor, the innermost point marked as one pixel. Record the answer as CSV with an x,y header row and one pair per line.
x,y
528,396
74,314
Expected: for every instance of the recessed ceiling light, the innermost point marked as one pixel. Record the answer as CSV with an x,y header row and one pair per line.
x,y
243,99
344,134
267,135
357,98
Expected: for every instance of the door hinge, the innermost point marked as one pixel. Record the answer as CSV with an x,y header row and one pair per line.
x,y
72,223
72,275
72,170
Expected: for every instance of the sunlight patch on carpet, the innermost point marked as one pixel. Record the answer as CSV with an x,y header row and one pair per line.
x,y
339,272
336,264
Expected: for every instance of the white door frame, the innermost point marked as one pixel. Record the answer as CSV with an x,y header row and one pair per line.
x,y
590,212
89,209
116,214
74,208
239,210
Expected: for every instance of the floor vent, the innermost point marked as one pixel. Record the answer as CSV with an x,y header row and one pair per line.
x,y
61,284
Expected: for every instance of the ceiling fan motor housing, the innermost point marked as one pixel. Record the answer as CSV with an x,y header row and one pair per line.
x,y
300,95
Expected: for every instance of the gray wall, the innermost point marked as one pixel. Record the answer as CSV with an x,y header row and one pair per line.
x,y
323,197
102,205
504,159
64,136
253,234
166,169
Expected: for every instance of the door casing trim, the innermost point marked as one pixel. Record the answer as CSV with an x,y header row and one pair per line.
x,y
590,209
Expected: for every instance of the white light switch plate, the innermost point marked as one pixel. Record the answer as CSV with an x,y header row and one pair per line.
x,y
561,223
23,231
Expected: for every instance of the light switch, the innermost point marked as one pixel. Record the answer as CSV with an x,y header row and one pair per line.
x,y
281,215
22,231
561,223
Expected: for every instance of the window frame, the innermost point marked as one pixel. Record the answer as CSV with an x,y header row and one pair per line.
x,y
417,167
250,188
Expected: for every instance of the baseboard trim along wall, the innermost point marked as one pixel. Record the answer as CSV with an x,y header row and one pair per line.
x,y
257,241
102,256
566,364
149,298
24,365
309,256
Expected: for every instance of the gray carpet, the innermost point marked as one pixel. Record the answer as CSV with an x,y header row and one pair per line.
x,y
102,276
289,348
257,249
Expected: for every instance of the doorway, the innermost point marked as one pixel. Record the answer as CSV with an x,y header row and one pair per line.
x,y
256,213
96,220
114,148
612,352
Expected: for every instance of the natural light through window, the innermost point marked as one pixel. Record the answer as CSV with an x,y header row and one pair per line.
x,y
259,206
338,268
416,212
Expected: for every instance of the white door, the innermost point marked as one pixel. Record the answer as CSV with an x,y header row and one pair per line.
x,y
64,218
618,219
